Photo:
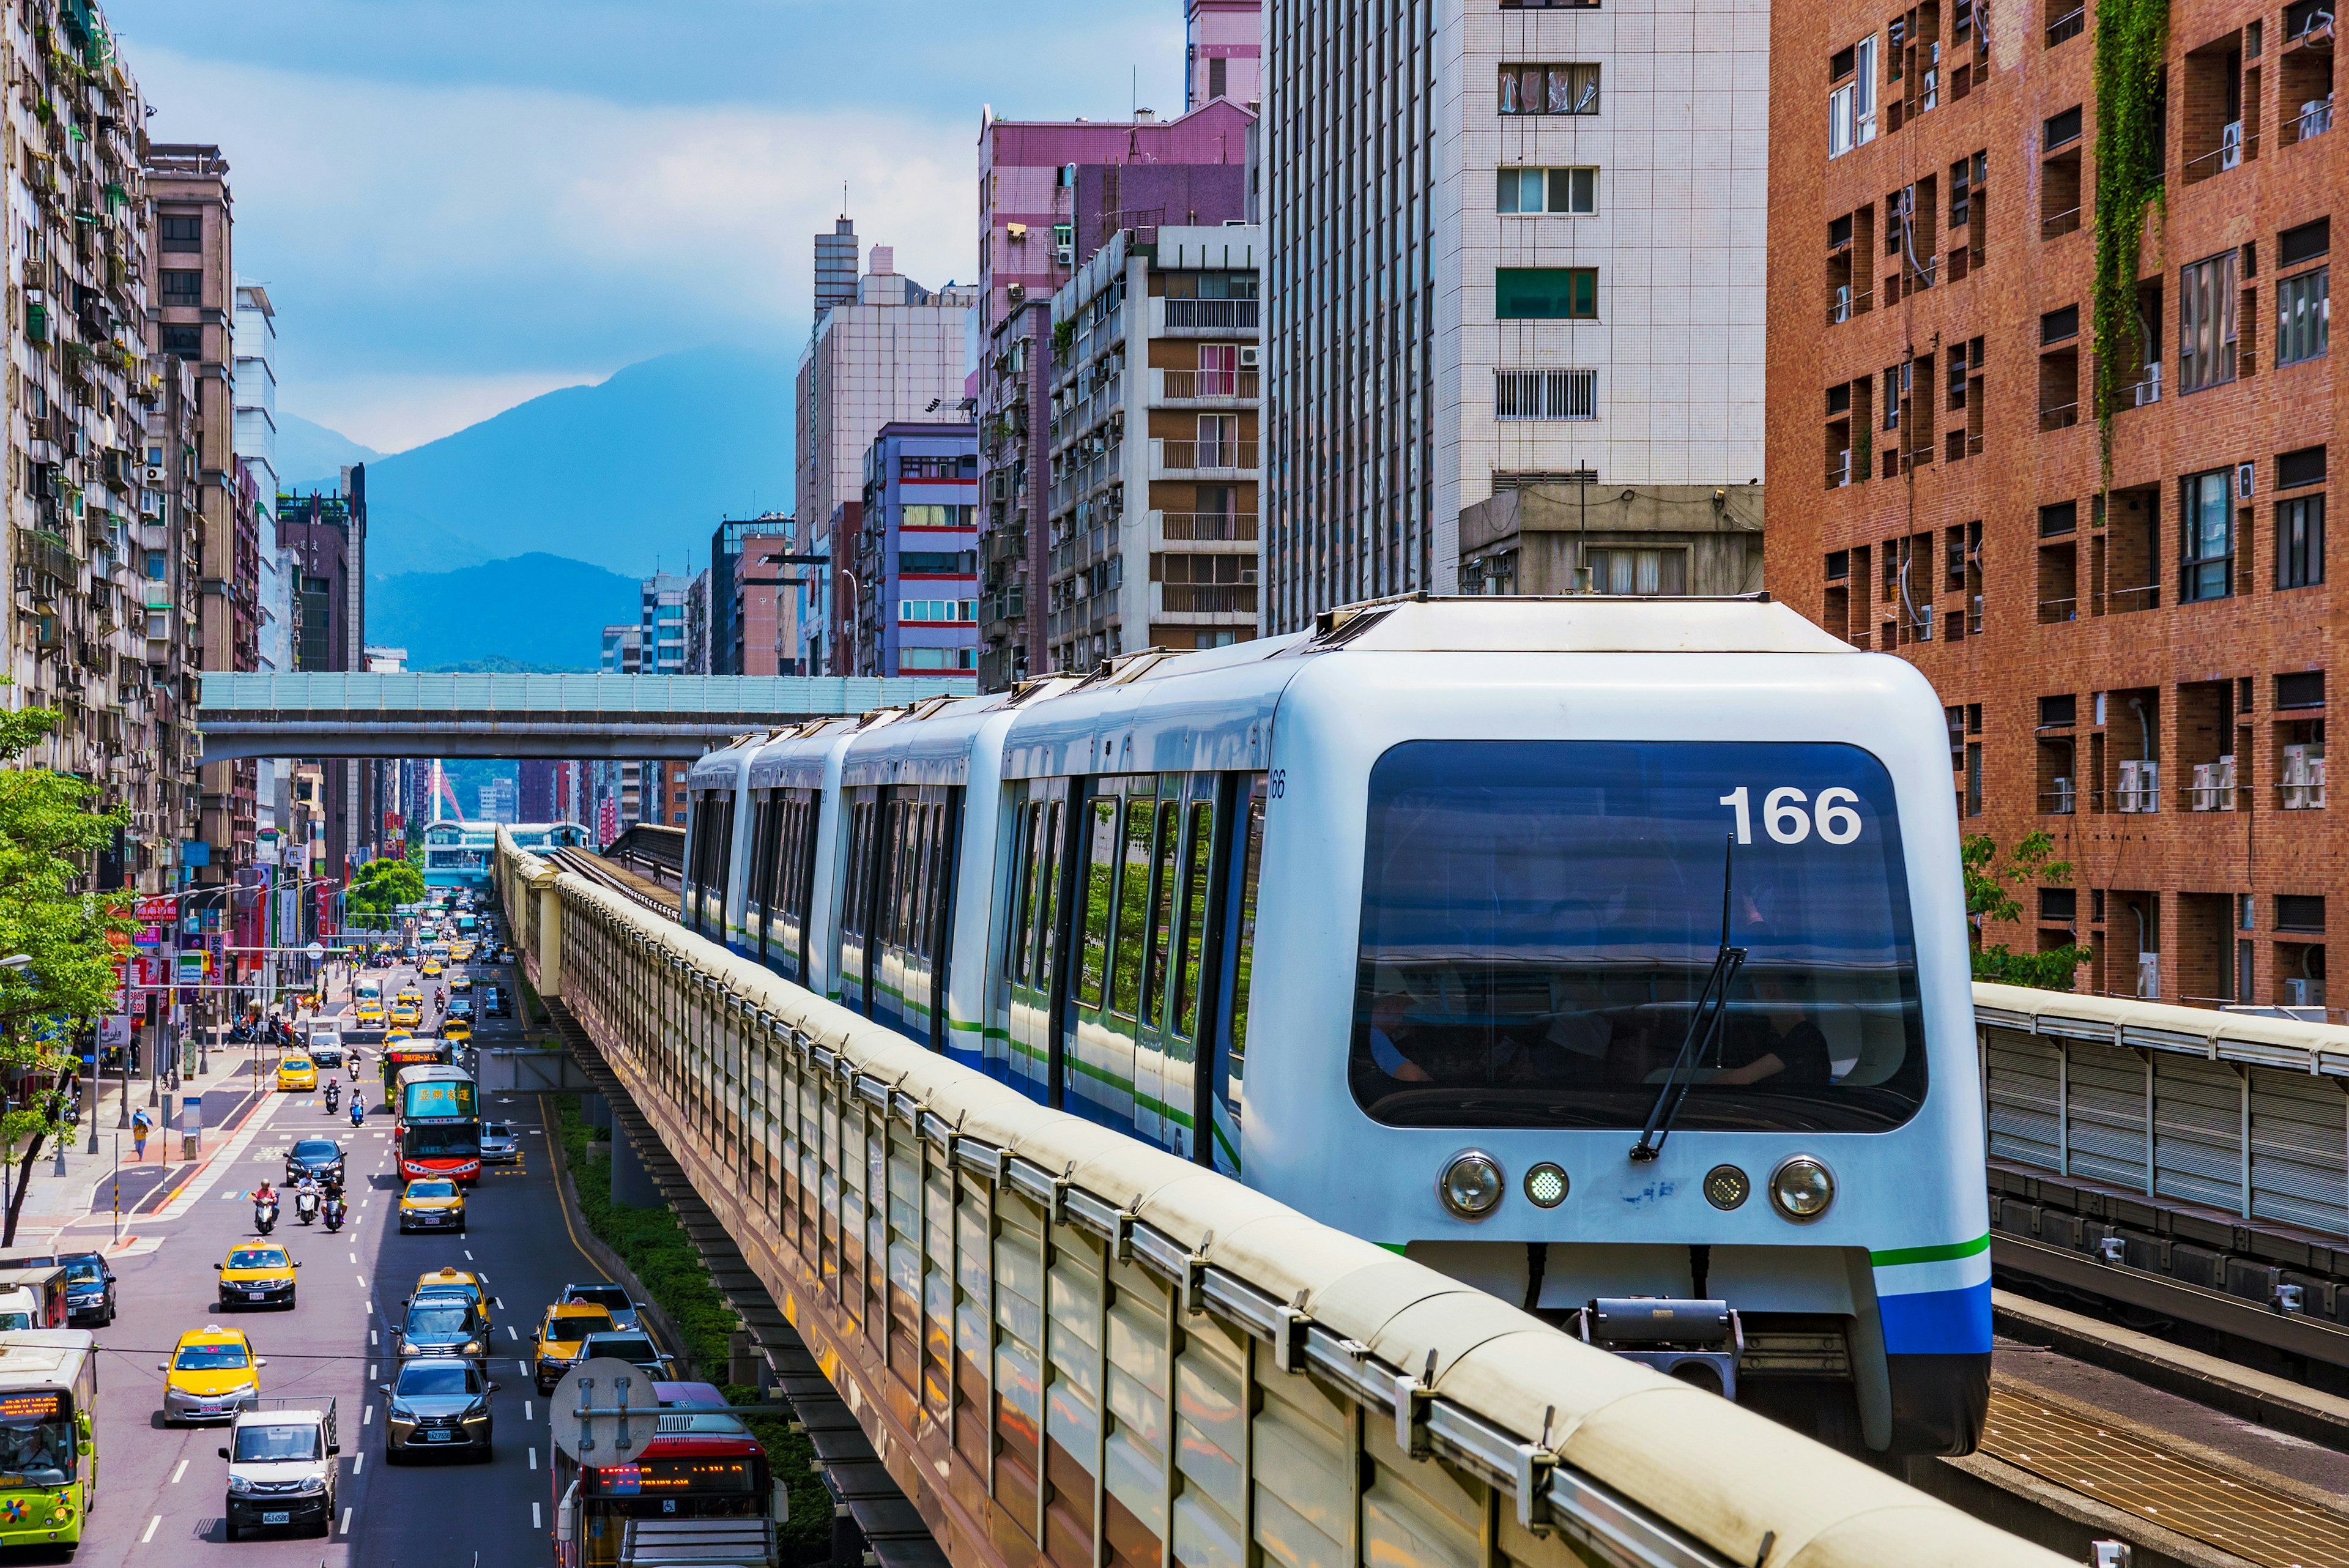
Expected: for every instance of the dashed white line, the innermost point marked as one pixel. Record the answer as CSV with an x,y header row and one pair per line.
x,y
533,1458
525,1410
360,1278
156,1522
533,1519
522,1368
178,1473
371,1338
359,1463
346,1519
370,1371
469,1254
366,1414
355,1257
512,1335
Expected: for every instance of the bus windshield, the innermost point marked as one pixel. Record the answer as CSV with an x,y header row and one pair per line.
x,y
36,1440
441,1140
1538,918
438,1099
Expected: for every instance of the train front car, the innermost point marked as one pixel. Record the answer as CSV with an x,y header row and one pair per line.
x,y
1633,933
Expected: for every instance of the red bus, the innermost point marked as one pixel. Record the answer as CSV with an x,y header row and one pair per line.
x,y
440,1128
702,1468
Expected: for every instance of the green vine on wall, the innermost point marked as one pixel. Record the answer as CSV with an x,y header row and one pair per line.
x,y
2132,37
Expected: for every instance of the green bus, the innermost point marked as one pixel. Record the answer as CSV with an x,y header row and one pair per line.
x,y
48,1438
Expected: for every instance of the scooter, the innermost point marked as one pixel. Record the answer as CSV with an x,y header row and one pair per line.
x,y
334,1214
265,1216
334,1096
306,1206
358,1111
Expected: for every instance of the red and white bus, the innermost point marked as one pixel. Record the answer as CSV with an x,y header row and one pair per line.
x,y
440,1125
702,1470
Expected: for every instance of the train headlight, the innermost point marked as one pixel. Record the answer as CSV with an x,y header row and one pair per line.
x,y
1471,1186
1726,1187
1801,1188
1546,1185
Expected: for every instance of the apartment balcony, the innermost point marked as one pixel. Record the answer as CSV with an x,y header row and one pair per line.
x,y
1203,388
1202,527
1004,605
1210,460
1000,545
1232,603
1204,317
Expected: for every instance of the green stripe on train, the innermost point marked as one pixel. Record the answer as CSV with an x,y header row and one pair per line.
x,y
1939,1253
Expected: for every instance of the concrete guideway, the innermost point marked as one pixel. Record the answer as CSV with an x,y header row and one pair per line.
x,y
333,713
1221,1373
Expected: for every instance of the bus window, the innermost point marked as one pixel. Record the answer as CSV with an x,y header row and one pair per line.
x,y
1162,908
1101,877
1195,917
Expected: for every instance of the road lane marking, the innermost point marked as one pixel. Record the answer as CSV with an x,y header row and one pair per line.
x,y
522,1368
525,1410
512,1334
346,1519
178,1473
370,1371
355,1257
155,1522
371,1338
366,1414
358,1464
533,1519
533,1458
469,1254
360,1278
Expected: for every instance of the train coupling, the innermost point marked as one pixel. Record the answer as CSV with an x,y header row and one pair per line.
x,y
1698,1342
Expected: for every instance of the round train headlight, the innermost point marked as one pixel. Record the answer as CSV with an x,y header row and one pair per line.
x,y
1546,1185
1726,1187
1801,1188
1471,1185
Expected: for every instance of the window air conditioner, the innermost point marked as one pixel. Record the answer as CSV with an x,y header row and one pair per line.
x,y
2245,474
2149,976
2065,798
2131,783
2295,778
2224,770
1249,354
1925,624
1064,255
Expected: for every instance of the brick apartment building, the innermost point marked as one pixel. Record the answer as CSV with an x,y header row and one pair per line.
x,y
2137,666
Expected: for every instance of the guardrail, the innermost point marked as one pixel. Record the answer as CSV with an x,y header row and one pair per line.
x,y
1062,1341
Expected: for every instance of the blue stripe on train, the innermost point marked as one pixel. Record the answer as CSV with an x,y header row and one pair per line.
x,y
1938,1322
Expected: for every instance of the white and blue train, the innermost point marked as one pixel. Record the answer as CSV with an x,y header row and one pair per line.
x,y
1589,950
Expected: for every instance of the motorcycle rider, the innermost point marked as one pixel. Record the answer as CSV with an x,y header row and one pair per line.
x,y
334,1095
358,1110
305,1198
265,1207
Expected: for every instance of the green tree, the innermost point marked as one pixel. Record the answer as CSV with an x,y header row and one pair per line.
x,y
50,832
382,886
1989,882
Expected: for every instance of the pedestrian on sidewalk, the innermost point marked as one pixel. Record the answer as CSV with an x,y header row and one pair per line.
x,y
140,1124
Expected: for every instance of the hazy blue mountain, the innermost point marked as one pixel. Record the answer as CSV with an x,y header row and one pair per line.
x,y
311,455
536,610
639,468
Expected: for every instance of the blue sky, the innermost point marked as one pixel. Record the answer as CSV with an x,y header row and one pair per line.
x,y
457,207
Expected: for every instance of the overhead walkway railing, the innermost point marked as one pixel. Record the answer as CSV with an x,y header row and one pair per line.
x,y
1067,1345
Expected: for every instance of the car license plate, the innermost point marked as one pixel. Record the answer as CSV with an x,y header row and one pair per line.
x,y
436,1437
257,1295
282,1516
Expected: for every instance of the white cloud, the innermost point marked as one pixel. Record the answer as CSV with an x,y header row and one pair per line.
x,y
437,253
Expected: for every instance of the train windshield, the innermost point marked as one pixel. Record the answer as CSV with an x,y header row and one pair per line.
x,y
1540,918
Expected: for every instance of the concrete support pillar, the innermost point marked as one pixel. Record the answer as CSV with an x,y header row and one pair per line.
x,y
632,1184
596,1109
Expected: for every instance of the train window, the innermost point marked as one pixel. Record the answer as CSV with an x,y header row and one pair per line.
x,y
1019,942
1162,908
1244,953
1100,877
1133,905
1195,918
1048,873
1539,919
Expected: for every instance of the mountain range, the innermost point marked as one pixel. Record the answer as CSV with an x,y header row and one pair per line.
x,y
519,538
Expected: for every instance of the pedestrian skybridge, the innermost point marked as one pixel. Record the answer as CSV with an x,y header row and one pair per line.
x,y
327,713
1020,1340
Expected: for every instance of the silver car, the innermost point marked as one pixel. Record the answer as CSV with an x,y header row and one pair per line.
x,y
500,1144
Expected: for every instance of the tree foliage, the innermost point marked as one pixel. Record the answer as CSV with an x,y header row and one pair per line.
x,y
382,886
1990,896
50,834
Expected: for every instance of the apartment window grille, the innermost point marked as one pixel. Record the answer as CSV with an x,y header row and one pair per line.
x,y
2305,243
1544,394
1615,570
2299,542
181,288
2060,129
1851,104
1573,192
2205,323
2209,518
2303,316
1549,90
1545,293
182,231
937,610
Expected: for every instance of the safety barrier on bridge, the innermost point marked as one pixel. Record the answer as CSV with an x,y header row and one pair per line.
x,y
1072,1349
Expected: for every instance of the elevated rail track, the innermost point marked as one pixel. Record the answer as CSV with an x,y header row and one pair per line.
x,y
1066,1347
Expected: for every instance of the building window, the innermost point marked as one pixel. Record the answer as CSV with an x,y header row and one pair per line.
x,y
1545,293
2208,516
1549,90
2299,542
183,287
184,342
1851,102
2303,313
931,610
1574,191
1615,571
1544,394
2205,323
182,231
937,658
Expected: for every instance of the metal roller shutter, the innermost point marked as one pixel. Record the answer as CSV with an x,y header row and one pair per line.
x,y
2197,1128
2299,1165
2107,1115
2023,1082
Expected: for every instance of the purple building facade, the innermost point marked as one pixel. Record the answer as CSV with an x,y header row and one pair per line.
x,y
1224,52
1050,194
918,552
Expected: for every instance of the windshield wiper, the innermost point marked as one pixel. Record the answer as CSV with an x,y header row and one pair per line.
x,y
1705,1021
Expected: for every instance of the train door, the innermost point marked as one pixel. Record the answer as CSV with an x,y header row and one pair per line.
x,y
716,863
1028,962
789,883
908,929
858,896
758,871
1166,948
1117,839
1232,941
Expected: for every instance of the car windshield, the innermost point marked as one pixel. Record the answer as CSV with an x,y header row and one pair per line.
x,y
611,1297
315,1148
85,1271
211,1358
438,1377
1539,919
498,1129
438,1317
294,1063
579,1325
256,1257
266,1445
624,1348
432,1190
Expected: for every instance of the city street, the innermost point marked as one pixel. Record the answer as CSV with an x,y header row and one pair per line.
x,y
160,1489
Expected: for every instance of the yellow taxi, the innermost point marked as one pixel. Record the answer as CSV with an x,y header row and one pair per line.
x,y
458,1281
370,1015
461,952
211,1376
407,1012
411,999
257,1274
432,1203
456,1031
432,967
460,982
297,1074
562,1337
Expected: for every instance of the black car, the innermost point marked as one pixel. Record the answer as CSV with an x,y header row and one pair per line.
x,y
494,1003
318,1156
444,1325
89,1289
437,1405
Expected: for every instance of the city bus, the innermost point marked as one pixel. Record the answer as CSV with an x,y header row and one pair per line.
x,y
48,1438
701,1465
415,1051
440,1125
